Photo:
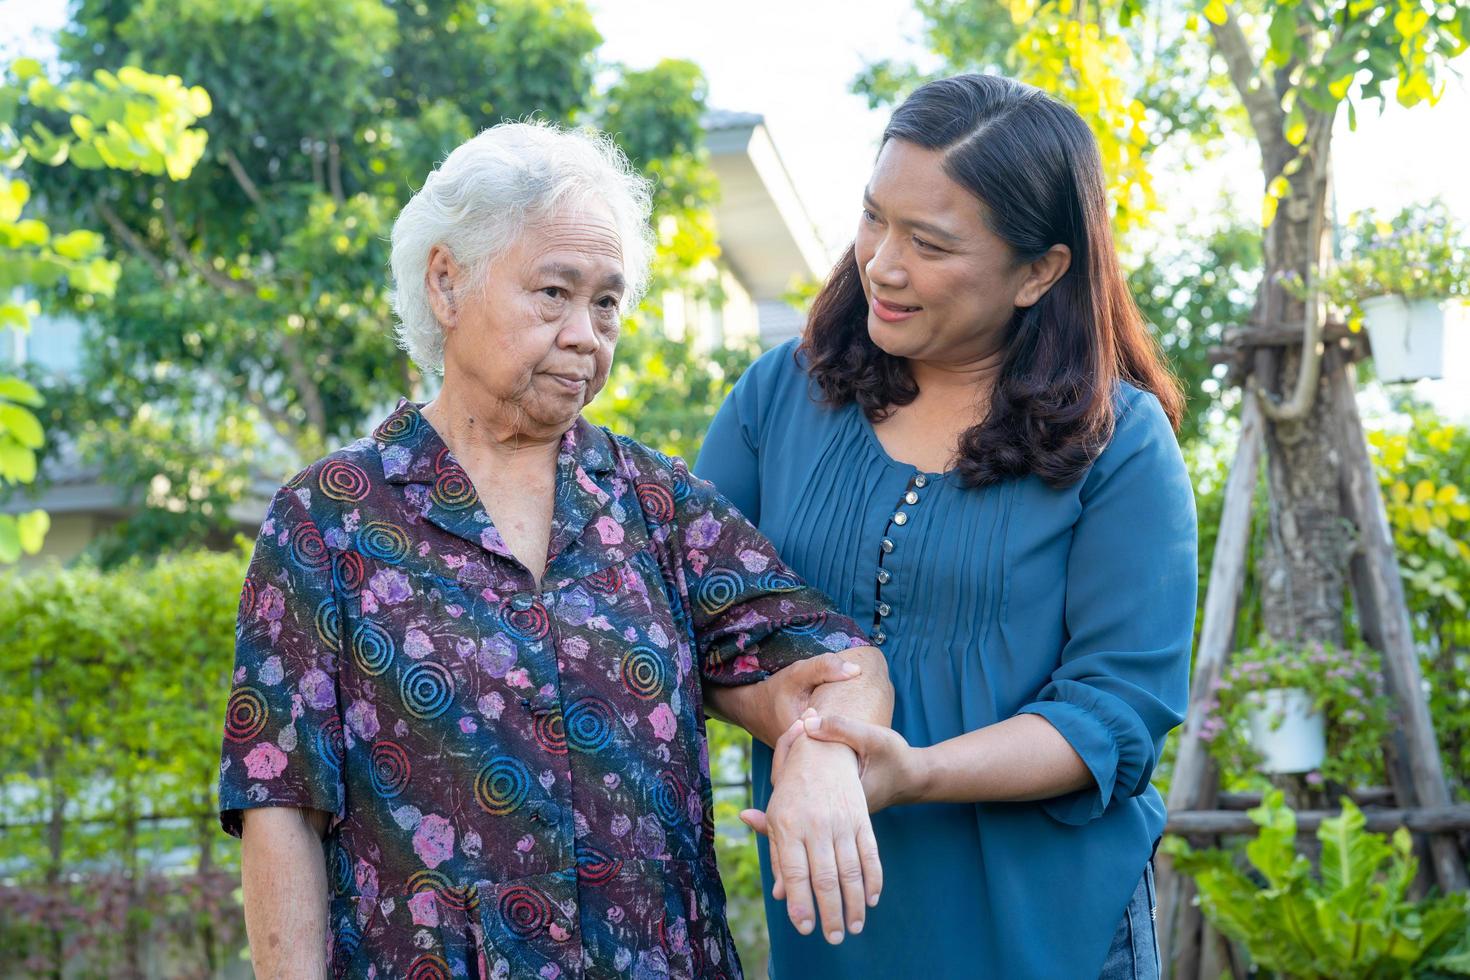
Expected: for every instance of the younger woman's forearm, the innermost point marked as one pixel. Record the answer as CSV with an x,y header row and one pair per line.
x,y
1021,758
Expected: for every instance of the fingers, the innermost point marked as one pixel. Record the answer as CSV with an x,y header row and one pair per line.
x,y
783,748
778,882
835,728
867,848
796,878
756,821
826,882
850,882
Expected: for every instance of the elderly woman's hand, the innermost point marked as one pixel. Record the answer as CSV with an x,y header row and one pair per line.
x,y
821,837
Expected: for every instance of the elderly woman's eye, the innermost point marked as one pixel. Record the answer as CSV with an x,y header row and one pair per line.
x,y
555,292
608,303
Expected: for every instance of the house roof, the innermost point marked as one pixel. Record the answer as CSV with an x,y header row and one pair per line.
x,y
766,235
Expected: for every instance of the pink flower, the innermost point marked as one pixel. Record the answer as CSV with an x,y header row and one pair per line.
x,y
664,724
433,842
425,909
609,530
265,761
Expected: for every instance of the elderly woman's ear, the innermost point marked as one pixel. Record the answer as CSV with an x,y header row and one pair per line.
x,y
440,278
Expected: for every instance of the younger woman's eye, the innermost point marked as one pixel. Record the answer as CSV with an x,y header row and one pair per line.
x,y
925,246
869,216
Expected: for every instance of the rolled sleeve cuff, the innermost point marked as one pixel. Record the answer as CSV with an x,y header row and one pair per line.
x,y
1099,728
746,658
235,800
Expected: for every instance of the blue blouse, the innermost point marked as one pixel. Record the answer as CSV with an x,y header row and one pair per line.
x,y
1074,604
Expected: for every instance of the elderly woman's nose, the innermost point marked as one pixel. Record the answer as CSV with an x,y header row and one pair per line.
x,y
578,332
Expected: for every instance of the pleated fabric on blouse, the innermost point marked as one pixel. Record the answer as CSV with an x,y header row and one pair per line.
x,y
1074,604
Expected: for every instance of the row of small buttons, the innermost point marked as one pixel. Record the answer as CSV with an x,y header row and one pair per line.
x,y
900,518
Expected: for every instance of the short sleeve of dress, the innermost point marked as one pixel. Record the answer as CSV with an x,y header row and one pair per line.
x,y
282,728
751,614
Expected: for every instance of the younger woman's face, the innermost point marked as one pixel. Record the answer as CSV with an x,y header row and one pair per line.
x,y
941,286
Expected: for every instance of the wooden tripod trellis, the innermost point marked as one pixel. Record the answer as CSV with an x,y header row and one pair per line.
x,y
1417,795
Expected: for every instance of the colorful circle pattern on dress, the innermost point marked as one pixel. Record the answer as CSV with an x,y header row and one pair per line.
x,y
427,689
667,797
502,785
372,648
589,725
245,714
458,897
329,622
778,580
349,572
596,867
524,910
657,502
399,426
343,481
453,489
247,599
383,540
307,547
428,966
390,769
643,673
607,580
550,730
808,625
718,590
530,623
330,743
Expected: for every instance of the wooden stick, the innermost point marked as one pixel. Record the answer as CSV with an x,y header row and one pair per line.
x,y
1193,776
1428,820
1368,796
1388,620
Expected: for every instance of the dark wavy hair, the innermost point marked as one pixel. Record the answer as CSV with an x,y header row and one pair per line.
x,y
1034,165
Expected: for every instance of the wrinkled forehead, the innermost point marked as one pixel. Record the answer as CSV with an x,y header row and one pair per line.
x,y
584,235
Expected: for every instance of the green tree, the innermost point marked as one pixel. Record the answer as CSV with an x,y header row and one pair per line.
x,y
251,328
129,122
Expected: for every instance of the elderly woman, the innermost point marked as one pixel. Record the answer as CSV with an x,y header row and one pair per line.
x,y
476,648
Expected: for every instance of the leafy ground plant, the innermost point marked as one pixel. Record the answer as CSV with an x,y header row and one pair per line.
x,y
1348,918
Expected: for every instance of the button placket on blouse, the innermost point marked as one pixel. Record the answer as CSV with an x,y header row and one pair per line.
x,y
882,609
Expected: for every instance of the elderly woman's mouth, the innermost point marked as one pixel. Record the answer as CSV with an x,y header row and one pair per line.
x,y
572,382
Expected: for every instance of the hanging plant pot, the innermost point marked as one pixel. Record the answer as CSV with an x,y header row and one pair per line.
x,y
1407,337
1287,731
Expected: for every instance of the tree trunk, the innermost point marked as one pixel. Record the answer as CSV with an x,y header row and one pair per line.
x,y
1303,566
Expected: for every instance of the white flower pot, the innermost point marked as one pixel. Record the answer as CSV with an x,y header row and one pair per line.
x,y
1290,735
1407,337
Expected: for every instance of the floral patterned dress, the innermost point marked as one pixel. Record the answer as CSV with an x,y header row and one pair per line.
x,y
518,776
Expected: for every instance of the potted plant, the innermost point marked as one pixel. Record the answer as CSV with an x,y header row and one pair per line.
x,y
1397,279
1349,918
1311,708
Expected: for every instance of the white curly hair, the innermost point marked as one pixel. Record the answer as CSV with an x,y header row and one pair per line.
x,y
480,199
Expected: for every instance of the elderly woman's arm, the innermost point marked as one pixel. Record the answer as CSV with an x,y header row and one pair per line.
x,y
283,876
853,683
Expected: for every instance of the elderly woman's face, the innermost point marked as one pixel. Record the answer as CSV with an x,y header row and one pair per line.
x,y
539,337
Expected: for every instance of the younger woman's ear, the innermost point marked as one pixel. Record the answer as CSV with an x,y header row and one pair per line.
x,y
1042,274
439,278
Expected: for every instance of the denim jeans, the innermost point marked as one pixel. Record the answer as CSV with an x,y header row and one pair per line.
x,y
1134,954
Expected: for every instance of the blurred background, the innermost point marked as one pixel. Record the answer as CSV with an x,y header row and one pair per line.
x,y
194,202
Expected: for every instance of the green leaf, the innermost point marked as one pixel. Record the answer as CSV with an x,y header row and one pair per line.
x,y
25,69
78,244
31,528
21,424
1296,125
16,390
